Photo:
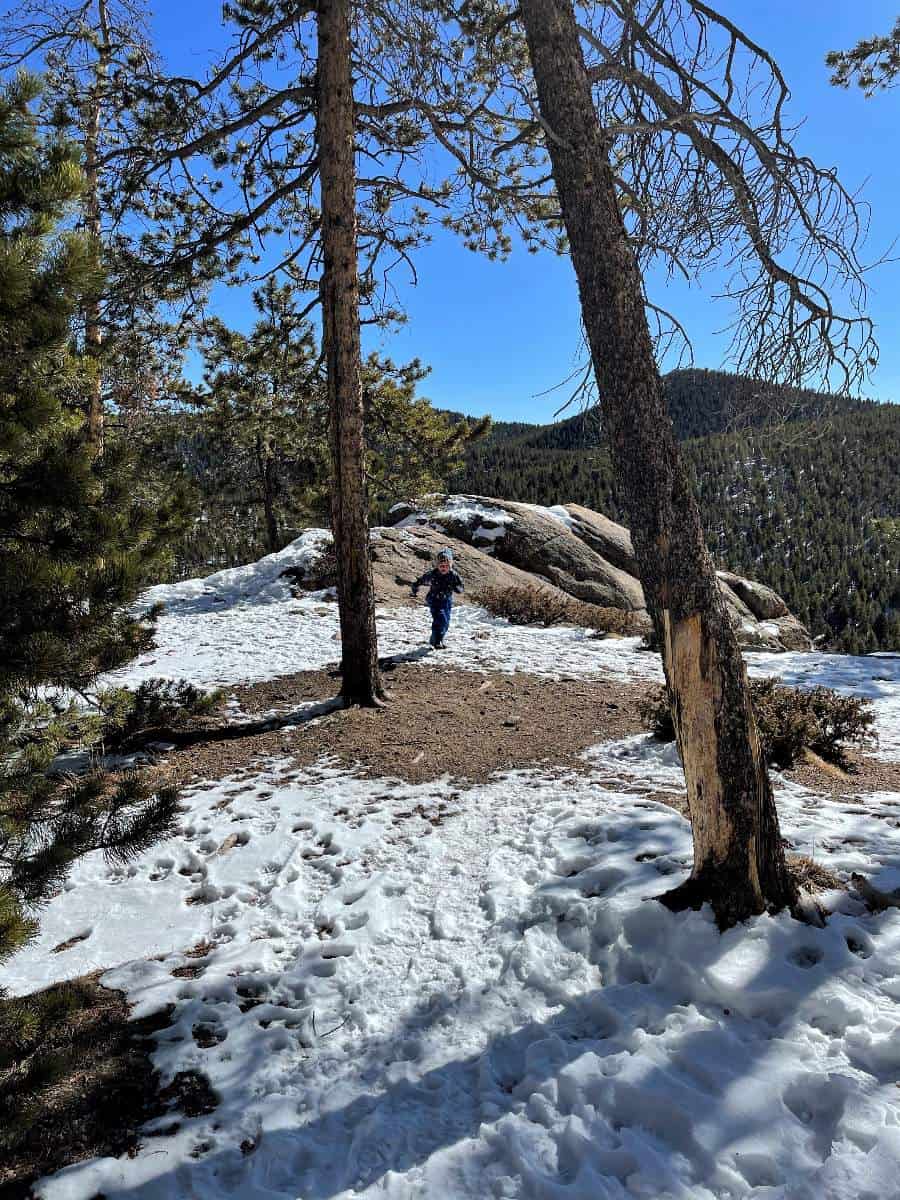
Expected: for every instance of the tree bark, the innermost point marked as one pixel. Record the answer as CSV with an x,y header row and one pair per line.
x,y
265,467
341,339
93,329
739,864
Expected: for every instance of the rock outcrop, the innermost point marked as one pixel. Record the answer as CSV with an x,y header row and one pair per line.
x,y
401,555
567,550
588,556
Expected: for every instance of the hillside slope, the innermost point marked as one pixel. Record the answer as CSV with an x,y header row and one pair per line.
x,y
376,969
811,508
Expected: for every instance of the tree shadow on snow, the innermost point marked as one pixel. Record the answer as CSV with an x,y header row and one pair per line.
x,y
605,1087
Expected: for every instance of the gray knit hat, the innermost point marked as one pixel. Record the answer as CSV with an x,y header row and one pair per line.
x,y
446,553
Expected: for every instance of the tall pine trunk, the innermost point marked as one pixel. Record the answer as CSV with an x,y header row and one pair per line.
x,y
739,864
340,331
265,469
93,328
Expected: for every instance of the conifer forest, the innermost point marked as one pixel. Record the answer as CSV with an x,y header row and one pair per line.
x,y
449,600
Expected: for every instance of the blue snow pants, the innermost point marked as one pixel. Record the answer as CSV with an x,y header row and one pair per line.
x,y
441,608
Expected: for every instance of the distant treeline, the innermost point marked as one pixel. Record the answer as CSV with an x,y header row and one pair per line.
x,y
797,489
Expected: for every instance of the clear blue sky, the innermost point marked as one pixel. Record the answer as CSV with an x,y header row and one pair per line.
x,y
496,335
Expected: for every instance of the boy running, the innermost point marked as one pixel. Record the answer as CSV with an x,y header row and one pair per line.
x,y
442,582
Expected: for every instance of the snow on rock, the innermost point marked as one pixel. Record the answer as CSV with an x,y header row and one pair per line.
x,y
557,511
260,582
477,520
589,557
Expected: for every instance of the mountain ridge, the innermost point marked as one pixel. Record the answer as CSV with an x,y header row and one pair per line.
x,y
806,500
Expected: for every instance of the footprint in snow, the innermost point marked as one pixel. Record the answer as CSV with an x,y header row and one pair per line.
x,y
806,957
338,950
209,894
859,943
356,921
208,1031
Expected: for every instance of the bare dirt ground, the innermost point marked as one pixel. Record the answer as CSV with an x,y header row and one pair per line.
x,y
859,774
444,722
439,722
76,1080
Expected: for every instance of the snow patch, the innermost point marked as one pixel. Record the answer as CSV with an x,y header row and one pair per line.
x,y
489,1006
256,583
557,512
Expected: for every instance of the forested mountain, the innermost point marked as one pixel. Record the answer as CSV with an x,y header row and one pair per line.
x,y
701,402
809,504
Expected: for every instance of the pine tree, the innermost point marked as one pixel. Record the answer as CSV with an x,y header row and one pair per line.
x,y
262,419
873,64
74,547
263,407
96,62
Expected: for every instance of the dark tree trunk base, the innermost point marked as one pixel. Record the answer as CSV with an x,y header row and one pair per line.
x,y
364,700
730,896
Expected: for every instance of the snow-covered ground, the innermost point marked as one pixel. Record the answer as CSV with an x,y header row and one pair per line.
x,y
242,625
439,992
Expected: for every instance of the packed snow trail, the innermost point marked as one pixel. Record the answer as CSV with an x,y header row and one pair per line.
x,y
448,992
429,991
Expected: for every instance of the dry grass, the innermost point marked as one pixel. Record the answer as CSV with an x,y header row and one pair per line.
x,y
812,876
532,605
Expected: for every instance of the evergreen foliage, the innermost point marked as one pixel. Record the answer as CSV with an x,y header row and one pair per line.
x,y
262,411
808,506
253,440
789,720
873,64
74,546
98,68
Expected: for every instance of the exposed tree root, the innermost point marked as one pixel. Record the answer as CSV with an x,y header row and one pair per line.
x,y
181,738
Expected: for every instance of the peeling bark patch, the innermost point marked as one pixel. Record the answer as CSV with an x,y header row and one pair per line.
x,y
695,715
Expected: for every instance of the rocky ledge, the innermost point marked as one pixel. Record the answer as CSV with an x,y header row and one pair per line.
x,y
566,548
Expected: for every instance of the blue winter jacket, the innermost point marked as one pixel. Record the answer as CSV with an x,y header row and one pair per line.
x,y
440,587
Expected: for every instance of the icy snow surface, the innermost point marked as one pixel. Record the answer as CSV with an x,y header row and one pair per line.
x,y
439,992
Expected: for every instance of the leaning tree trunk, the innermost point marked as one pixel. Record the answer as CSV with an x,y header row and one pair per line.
x,y
739,864
340,331
93,329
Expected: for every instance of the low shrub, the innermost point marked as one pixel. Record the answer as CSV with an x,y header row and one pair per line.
x,y
789,720
530,605
156,704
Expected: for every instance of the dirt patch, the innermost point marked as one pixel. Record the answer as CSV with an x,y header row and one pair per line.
x,y
676,800
439,722
859,774
75,1080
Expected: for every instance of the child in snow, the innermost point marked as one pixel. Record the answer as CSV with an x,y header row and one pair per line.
x,y
442,582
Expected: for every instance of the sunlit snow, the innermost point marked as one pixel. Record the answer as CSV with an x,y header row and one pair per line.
x,y
490,1005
